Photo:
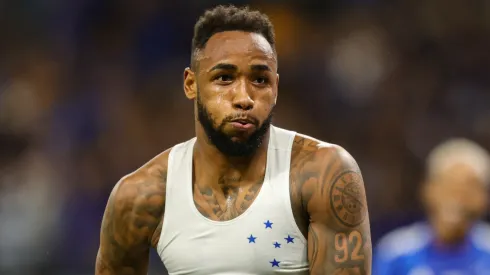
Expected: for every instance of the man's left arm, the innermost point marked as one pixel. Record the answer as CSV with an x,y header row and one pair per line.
x,y
339,238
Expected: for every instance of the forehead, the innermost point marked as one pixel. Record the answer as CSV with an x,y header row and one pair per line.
x,y
461,175
230,45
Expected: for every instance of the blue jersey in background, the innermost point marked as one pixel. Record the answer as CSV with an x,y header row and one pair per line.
x,y
411,251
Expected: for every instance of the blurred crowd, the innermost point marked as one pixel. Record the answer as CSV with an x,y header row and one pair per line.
x,y
90,90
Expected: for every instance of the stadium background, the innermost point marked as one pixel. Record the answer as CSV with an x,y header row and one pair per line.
x,y
92,89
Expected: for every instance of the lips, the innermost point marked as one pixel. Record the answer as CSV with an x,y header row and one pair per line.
x,y
243,121
243,124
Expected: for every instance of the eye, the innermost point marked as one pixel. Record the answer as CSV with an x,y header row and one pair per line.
x,y
261,80
224,78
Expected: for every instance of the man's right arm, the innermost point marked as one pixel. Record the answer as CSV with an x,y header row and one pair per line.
x,y
133,213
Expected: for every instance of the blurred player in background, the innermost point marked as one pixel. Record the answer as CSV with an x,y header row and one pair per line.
x,y
243,196
454,240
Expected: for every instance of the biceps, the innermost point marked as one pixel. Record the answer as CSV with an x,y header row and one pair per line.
x,y
122,249
341,252
104,266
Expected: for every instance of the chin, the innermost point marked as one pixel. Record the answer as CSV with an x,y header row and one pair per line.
x,y
238,139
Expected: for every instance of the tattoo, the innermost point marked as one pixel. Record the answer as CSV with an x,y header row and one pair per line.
x,y
327,187
163,184
345,256
346,197
132,223
162,173
328,170
302,180
313,246
250,196
228,204
101,267
348,247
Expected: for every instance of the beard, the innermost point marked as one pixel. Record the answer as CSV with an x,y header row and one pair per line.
x,y
223,142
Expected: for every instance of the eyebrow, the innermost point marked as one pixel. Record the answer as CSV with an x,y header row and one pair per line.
x,y
231,67
260,67
224,66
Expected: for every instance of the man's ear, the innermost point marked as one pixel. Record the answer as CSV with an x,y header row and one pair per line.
x,y
190,85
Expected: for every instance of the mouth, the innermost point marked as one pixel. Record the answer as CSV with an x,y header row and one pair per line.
x,y
242,124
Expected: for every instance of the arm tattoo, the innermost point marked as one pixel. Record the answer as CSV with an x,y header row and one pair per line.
x,y
348,247
331,190
133,214
345,231
346,199
313,246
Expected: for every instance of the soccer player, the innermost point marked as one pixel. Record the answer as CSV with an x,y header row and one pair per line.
x,y
242,196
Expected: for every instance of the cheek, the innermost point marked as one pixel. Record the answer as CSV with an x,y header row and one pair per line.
x,y
220,101
437,200
266,100
478,202
270,96
216,95
217,108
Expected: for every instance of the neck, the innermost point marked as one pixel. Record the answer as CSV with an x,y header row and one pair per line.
x,y
454,242
217,166
450,247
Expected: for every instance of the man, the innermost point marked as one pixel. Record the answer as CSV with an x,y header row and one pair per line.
x,y
242,197
453,241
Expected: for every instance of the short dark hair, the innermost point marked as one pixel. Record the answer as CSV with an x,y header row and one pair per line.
x,y
230,18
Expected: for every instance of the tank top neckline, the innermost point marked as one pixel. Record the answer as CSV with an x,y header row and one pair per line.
x,y
189,192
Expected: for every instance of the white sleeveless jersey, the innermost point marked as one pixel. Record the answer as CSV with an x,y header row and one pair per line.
x,y
263,240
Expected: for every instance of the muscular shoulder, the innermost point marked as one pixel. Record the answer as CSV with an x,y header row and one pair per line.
x,y
132,216
317,166
150,175
329,184
139,197
313,153
311,157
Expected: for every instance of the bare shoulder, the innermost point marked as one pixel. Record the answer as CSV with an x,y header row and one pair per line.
x,y
327,181
308,151
132,219
318,169
314,164
135,187
143,193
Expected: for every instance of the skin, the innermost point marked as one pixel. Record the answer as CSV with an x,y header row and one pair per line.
x,y
132,220
328,198
237,76
454,200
